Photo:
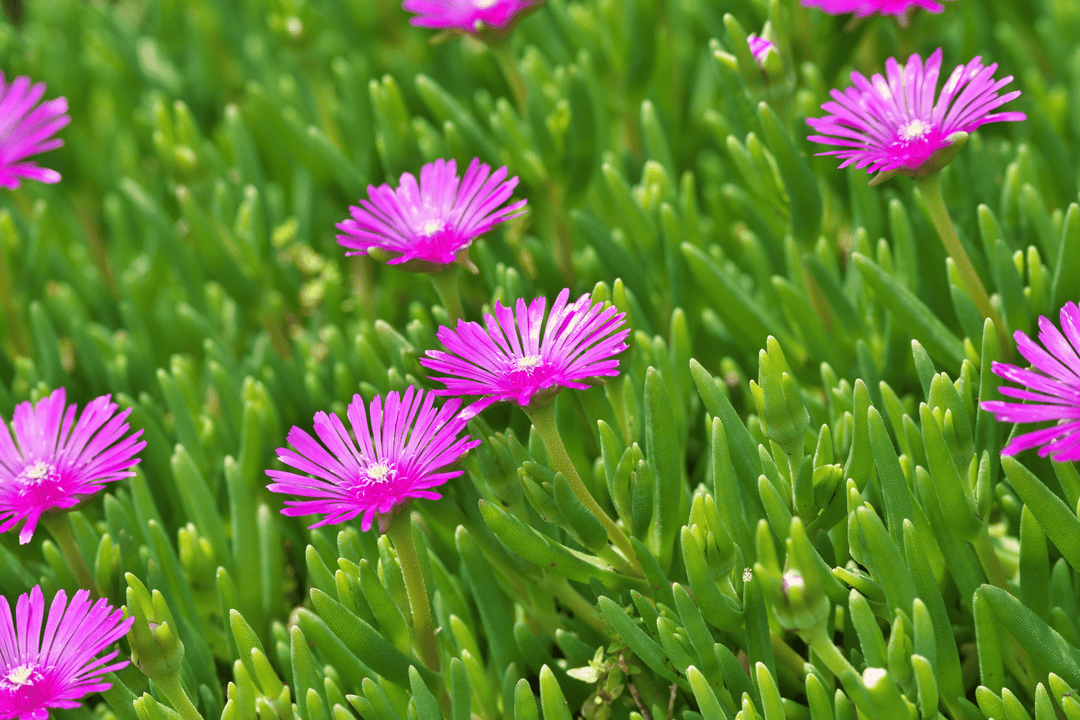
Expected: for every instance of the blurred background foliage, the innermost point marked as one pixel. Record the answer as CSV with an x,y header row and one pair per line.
x,y
187,265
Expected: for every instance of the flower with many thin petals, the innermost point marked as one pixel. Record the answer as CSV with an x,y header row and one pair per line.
x,y
467,16
1052,385
863,8
58,668
429,224
26,129
55,462
893,123
404,444
509,360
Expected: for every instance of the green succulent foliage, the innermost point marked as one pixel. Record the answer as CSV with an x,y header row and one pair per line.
x,y
824,525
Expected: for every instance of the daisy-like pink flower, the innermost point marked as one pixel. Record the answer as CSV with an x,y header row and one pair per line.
x,y
863,8
430,223
27,130
467,16
57,461
1052,385
759,48
893,123
58,668
404,444
508,360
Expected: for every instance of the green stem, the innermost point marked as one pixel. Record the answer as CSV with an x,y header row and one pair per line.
x,y
170,686
930,189
60,528
543,419
988,558
829,653
400,534
574,602
446,285
509,66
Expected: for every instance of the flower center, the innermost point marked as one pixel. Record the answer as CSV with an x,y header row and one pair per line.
x,y
19,677
380,472
528,363
431,227
914,130
40,482
484,4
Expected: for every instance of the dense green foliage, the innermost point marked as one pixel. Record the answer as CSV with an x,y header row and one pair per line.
x,y
187,265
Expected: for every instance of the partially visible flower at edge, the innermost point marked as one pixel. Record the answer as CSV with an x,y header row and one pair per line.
x,y
508,360
58,669
403,444
26,129
429,225
863,8
467,16
57,461
893,123
1053,386
759,48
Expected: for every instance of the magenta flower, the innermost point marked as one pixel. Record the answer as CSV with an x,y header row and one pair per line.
x,y
467,16
760,47
507,360
56,465
57,669
401,451
895,124
27,130
434,221
1053,386
862,8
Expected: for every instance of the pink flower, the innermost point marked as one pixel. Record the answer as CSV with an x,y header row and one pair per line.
x,y
433,221
862,8
507,360
760,47
467,16
55,464
57,669
895,124
1053,386
27,130
401,451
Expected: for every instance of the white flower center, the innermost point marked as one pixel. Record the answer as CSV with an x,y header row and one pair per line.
x,y
380,472
484,4
22,675
914,130
431,227
529,362
36,472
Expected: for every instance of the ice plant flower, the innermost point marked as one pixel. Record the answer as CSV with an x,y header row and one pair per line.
x,y
404,444
26,129
429,224
508,360
759,48
863,8
1052,385
893,123
467,16
57,669
55,462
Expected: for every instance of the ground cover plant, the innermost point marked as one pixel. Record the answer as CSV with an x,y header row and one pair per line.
x,y
524,359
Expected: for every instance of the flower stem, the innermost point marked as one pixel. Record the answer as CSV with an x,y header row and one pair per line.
x,y
446,285
543,419
60,528
400,534
989,560
170,685
509,66
930,189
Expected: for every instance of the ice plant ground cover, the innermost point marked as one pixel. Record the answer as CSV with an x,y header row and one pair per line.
x,y
775,442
